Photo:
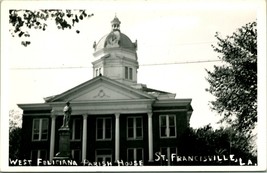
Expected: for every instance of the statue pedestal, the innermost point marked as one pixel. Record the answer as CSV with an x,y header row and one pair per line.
x,y
64,144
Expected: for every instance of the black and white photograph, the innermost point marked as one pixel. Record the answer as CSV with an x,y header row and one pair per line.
x,y
133,85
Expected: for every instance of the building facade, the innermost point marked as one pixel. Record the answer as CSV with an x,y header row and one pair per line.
x,y
114,119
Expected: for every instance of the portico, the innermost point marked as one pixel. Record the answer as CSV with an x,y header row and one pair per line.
x,y
117,137
141,104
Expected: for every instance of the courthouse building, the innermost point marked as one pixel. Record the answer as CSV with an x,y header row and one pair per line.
x,y
113,116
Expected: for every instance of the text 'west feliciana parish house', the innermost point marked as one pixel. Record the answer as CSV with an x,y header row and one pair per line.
x,y
114,118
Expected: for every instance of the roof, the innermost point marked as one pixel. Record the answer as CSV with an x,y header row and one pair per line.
x,y
160,95
101,91
123,42
139,89
150,90
115,20
95,83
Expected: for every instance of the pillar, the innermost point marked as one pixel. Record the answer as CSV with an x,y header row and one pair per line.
x,y
52,136
150,137
117,137
84,144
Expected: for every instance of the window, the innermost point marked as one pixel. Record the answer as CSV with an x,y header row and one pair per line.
x,y
40,129
128,73
76,129
167,126
98,71
134,154
103,128
168,151
134,128
103,155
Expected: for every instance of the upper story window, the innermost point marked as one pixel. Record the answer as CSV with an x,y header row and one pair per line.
x,y
98,71
128,73
103,128
167,126
134,128
76,129
40,129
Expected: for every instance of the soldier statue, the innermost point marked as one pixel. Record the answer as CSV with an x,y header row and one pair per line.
x,y
67,112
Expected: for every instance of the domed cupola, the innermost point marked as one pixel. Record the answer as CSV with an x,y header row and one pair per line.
x,y
115,56
115,39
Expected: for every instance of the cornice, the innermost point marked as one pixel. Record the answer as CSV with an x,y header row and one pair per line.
x,y
35,106
113,49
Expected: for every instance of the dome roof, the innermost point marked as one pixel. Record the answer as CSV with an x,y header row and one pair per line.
x,y
115,39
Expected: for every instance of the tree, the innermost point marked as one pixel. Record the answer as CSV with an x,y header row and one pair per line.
x,y
14,143
207,142
234,84
23,20
14,134
15,119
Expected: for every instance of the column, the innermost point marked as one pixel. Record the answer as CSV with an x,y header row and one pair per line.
x,y
52,135
117,137
84,145
150,137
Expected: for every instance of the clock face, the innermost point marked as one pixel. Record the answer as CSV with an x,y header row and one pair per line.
x,y
113,40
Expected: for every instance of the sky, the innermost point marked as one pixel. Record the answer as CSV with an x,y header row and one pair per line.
x,y
173,38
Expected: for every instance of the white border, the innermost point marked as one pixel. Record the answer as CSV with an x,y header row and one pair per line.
x,y
261,5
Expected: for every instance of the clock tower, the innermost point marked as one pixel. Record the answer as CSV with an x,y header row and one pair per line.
x,y
115,56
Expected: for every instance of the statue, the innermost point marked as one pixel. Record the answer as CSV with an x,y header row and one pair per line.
x,y
67,112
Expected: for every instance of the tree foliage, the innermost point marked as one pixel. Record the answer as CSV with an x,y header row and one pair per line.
x,y
15,119
234,84
14,134
23,20
221,142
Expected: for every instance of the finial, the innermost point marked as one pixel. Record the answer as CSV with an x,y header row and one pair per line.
x,y
94,45
135,44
